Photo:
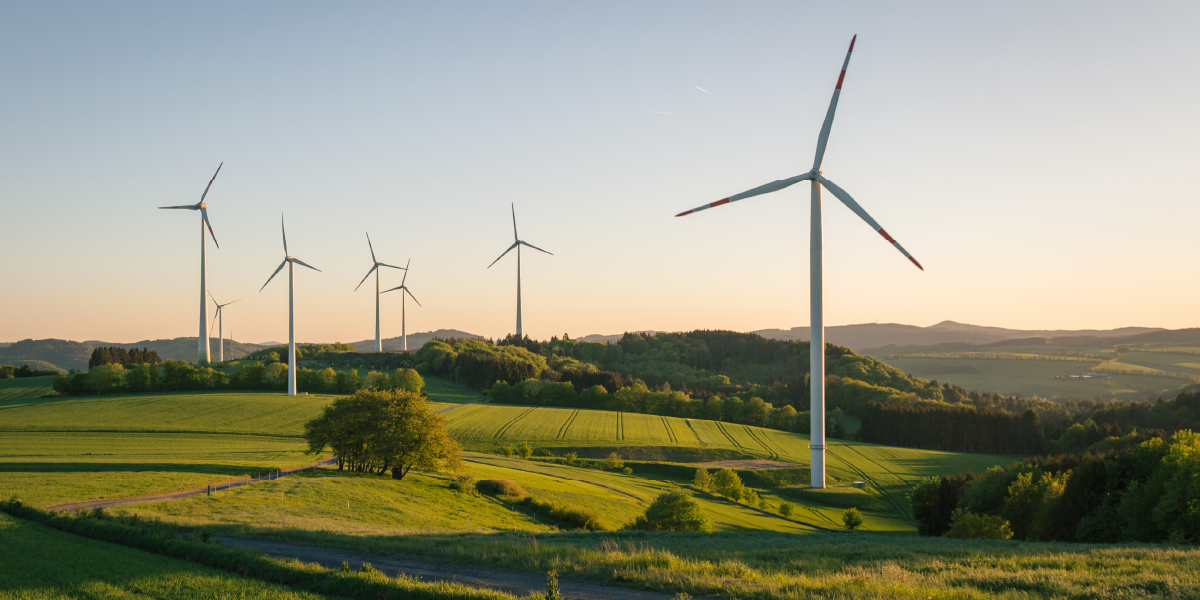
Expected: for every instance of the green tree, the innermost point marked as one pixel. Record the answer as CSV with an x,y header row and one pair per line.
x,y
702,479
785,509
727,483
408,380
524,450
851,518
673,510
614,462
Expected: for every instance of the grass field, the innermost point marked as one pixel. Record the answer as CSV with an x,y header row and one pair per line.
x,y
43,563
1035,377
889,471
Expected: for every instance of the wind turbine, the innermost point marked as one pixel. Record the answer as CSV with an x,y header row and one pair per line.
x,y
202,350
220,323
817,334
517,243
403,329
291,262
375,269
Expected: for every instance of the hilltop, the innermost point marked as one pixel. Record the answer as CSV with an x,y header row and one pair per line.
x,y
867,336
67,354
415,340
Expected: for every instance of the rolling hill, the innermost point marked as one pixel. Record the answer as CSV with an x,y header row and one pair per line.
x,y
415,340
866,336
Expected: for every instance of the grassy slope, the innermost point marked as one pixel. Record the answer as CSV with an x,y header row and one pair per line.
x,y
1035,377
40,562
890,471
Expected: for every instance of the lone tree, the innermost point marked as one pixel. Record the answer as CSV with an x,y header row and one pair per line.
x,y
702,479
672,510
851,518
377,430
727,483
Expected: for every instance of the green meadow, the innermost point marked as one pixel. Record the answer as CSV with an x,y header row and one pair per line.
x,y
44,563
1035,377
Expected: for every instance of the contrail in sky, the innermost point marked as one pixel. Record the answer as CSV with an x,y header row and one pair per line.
x,y
704,90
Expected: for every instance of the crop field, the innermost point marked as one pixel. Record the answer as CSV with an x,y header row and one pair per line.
x,y
1183,363
44,563
1035,377
887,470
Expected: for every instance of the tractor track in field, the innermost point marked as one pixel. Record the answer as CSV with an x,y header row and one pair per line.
x,y
514,582
758,437
724,432
699,439
504,428
562,431
670,431
621,426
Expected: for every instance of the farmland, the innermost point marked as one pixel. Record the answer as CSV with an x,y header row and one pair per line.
x,y
40,562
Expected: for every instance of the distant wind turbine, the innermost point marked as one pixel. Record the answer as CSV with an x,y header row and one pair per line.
x,y
403,327
517,243
375,269
202,350
291,262
817,333
220,323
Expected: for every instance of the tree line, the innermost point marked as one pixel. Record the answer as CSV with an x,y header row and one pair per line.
x,y
953,428
120,356
10,372
1140,487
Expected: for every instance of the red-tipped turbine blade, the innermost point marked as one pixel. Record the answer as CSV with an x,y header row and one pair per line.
x,y
774,186
210,182
823,138
841,194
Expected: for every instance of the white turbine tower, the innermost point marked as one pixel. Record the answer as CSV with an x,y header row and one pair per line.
x,y
375,269
220,323
202,350
817,334
291,262
517,243
403,326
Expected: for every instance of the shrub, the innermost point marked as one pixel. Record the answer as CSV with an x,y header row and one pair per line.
x,y
966,525
751,497
524,450
672,510
851,518
500,487
464,483
702,479
614,462
571,457
785,509
505,451
627,471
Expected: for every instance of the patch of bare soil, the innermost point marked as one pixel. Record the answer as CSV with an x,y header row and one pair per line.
x,y
750,464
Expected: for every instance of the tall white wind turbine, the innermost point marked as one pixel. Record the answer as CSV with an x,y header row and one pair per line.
x,y
403,326
517,243
817,334
375,269
291,262
202,350
219,321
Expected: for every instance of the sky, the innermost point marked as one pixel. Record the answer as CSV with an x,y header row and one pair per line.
x,y
1037,158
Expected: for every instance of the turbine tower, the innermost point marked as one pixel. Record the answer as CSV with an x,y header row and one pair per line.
x,y
403,327
517,243
375,269
220,323
817,334
202,350
291,262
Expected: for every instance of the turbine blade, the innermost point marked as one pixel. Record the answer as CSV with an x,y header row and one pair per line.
x,y
774,186
365,277
536,248
214,322
204,214
399,287
228,303
210,181
514,214
391,266
304,264
187,207
502,255
213,298
284,229
823,139
372,248
412,296
858,210
405,278
273,274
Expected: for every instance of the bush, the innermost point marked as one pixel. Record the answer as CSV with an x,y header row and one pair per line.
x,y
672,510
614,462
524,450
852,519
571,458
967,525
786,509
500,487
627,471
464,483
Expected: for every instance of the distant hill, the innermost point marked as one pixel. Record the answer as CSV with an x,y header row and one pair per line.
x,y
1159,338
609,339
63,354
868,336
183,348
415,340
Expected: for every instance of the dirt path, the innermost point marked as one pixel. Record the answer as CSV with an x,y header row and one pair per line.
x,y
224,485
509,581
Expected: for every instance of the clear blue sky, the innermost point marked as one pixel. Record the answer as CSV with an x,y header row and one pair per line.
x,y
1038,160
